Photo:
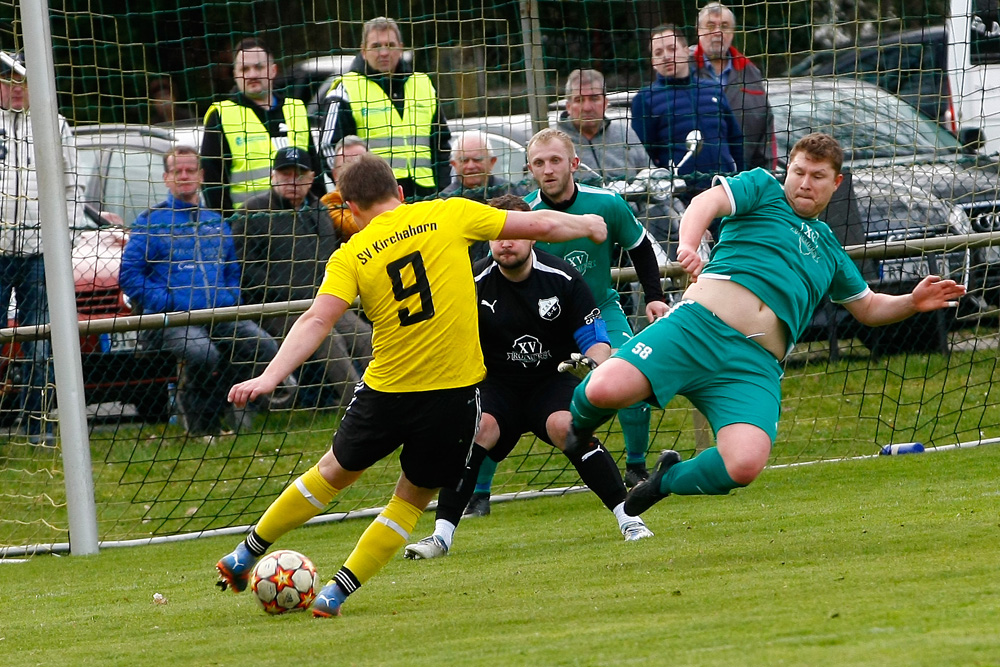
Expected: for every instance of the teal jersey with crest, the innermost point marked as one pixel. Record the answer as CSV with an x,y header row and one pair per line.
x,y
788,261
593,260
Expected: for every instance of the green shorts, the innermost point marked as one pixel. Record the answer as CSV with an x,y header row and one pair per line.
x,y
691,352
614,318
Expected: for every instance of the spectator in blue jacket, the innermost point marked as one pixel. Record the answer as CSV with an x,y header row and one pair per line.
x,y
664,112
180,257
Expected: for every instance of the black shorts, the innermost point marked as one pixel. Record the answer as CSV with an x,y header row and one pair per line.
x,y
520,408
436,429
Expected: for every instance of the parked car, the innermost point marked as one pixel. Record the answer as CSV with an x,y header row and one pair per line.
x,y
121,167
911,64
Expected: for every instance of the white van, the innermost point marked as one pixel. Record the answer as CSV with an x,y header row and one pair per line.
x,y
974,71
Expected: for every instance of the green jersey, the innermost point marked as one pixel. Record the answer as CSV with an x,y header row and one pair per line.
x,y
788,261
593,260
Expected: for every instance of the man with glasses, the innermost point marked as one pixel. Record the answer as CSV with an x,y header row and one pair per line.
x,y
395,109
716,59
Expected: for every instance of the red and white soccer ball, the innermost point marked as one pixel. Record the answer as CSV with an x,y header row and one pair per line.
x,y
284,581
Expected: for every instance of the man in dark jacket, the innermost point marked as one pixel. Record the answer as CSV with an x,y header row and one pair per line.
x,y
716,59
284,238
473,162
395,109
181,256
664,112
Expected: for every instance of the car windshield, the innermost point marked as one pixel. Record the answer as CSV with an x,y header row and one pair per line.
x,y
867,121
132,180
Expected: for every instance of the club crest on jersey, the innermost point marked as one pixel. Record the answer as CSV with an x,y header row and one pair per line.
x,y
549,308
529,351
580,260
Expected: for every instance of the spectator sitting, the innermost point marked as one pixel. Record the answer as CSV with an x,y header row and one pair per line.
x,y
284,238
181,256
346,151
608,146
473,163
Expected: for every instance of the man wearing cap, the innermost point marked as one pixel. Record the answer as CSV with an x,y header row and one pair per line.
x,y
243,133
284,238
22,267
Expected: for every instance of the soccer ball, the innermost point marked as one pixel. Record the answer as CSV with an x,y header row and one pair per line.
x,y
283,581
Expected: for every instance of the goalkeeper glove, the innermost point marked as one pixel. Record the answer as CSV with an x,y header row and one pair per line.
x,y
578,364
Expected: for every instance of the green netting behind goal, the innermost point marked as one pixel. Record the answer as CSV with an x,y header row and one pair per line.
x,y
847,390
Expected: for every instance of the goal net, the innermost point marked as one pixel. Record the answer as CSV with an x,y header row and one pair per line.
x,y
884,80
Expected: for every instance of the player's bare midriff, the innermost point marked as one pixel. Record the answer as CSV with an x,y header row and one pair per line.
x,y
742,310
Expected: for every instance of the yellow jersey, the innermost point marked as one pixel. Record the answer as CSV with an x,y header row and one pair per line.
x,y
411,268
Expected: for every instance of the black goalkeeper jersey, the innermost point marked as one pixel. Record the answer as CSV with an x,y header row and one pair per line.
x,y
527,328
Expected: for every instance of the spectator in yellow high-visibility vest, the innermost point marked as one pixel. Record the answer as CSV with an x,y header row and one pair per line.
x,y
395,109
243,133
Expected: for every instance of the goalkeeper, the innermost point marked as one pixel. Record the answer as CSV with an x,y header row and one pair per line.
x,y
722,344
534,310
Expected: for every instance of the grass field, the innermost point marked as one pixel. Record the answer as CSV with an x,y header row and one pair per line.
x,y
151,480
885,561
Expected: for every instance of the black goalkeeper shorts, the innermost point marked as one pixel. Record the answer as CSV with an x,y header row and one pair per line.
x,y
436,429
519,408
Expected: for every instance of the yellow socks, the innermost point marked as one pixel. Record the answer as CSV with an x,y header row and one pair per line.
x,y
300,501
387,533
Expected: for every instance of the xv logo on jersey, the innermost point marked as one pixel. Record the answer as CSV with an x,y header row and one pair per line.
x,y
528,350
808,241
580,260
549,308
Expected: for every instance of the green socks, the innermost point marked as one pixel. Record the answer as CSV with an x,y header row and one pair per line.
x,y
704,475
634,421
586,415
484,482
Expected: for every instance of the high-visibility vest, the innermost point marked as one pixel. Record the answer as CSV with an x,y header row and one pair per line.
x,y
253,148
403,140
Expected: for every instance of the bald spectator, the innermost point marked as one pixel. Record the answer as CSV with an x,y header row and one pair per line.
x,y
608,146
347,150
716,59
473,163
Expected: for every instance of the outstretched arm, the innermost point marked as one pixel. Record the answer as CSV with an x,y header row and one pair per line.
x,y
302,340
553,226
931,293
